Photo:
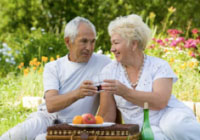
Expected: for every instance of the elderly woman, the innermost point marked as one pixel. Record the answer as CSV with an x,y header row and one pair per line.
x,y
141,78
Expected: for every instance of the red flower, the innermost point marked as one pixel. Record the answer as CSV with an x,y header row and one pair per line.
x,y
174,32
195,31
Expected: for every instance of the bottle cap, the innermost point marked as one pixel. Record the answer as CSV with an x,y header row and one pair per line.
x,y
146,105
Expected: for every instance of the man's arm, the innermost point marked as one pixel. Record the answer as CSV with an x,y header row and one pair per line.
x,y
56,101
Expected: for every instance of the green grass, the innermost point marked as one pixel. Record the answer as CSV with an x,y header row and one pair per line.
x,y
11,115
187,87
13,88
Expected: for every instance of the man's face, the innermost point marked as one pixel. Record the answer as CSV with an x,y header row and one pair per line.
x,y
83,46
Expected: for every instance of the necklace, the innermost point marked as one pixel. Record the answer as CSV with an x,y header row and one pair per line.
x,y
139,75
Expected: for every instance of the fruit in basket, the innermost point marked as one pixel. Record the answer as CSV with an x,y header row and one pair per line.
x,y
77,120
88,119
99,119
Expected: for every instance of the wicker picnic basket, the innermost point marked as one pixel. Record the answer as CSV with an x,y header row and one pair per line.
x,y
115,132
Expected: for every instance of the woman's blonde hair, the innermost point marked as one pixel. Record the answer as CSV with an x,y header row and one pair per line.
x,y
131,28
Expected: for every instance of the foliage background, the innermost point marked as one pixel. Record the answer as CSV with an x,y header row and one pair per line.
x,y
24,22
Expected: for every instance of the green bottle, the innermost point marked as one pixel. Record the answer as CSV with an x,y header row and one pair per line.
x,y
146,133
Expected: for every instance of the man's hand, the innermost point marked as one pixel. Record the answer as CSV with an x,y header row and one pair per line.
x,y
86,89
56,101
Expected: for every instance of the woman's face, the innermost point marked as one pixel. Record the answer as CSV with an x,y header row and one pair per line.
x,y
119,47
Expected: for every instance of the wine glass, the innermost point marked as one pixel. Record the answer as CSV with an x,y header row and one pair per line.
x,y
98,80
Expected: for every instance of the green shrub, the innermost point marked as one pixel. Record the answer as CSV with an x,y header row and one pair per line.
x,y
26,46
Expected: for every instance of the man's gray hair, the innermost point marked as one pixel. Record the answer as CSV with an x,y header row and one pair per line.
x,y
71,29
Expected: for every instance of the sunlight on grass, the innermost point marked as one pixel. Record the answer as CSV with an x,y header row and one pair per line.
x,y
13,89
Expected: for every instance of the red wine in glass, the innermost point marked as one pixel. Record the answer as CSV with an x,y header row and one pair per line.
x,y
99,87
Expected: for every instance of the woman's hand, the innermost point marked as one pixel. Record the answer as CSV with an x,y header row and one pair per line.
x,y
115,87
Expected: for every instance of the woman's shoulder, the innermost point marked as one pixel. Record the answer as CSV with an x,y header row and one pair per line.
x,y
155,64
154,58
152,61
160,68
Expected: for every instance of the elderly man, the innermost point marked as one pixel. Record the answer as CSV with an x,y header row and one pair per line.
x,y
67,92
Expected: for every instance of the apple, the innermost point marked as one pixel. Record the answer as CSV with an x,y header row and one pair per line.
x,y
88,119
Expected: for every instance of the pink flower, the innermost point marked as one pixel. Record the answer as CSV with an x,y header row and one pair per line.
x,y
174,32
160,42
192,54
154,39
191,43
173,43
195,31
180,39
152,46
166,39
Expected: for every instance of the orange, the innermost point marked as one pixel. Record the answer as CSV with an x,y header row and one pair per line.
x,y
99,119
77,120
